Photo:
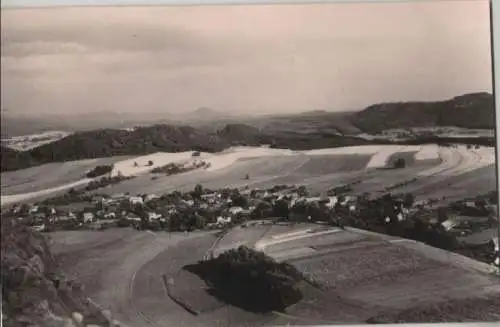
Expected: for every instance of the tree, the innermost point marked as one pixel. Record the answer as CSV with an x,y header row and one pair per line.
x,y
399,163
302,191
442,214
280,209
150,163
198,191
408,200
239,201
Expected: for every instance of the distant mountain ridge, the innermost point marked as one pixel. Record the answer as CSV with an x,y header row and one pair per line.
x,y
474,110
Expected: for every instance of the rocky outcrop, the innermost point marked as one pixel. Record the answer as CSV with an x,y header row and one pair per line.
x,y
34,292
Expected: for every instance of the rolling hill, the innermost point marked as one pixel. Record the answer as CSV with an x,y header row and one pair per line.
x,y
310,130
475,110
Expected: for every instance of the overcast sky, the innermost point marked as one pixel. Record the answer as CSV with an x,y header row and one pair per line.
x,y
247,59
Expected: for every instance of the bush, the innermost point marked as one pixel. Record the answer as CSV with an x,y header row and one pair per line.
x,y
100,170
399,163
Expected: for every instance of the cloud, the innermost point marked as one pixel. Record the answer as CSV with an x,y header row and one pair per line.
x,y
242,58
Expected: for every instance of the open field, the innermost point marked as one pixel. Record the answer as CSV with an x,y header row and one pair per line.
x,y
440,171
50,175
125,276
326,168
368,274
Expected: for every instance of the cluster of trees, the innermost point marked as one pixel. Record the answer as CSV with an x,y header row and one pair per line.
x,y
100,170
338,190
401,184
474,110
399,163
250,280
81,195
174,169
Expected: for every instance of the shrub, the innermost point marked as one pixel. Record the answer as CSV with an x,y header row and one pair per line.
x,y
99,171
399,163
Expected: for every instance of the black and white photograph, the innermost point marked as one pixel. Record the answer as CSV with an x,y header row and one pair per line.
x,y
248,165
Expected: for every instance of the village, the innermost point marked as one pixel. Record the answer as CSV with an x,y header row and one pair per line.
x,y
216,209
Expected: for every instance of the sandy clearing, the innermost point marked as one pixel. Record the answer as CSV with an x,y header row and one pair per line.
x,y
159,159
427,152
460,160
218,161
260,170
449,160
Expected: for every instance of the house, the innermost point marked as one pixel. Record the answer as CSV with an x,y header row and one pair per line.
x,y
332,201
38,228
16,209
97,199
210,196
153,216
150,197
223,221
110,215
118,197
39,216
449,224
135,200
88,217
235,210
62,218
133,218
189,202
33,209
470,204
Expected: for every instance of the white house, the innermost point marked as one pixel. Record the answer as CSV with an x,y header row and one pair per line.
x,y
135,200
150,197
88,217
33,209
110,215
449,224
332,202
235,210
153,216
223,221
